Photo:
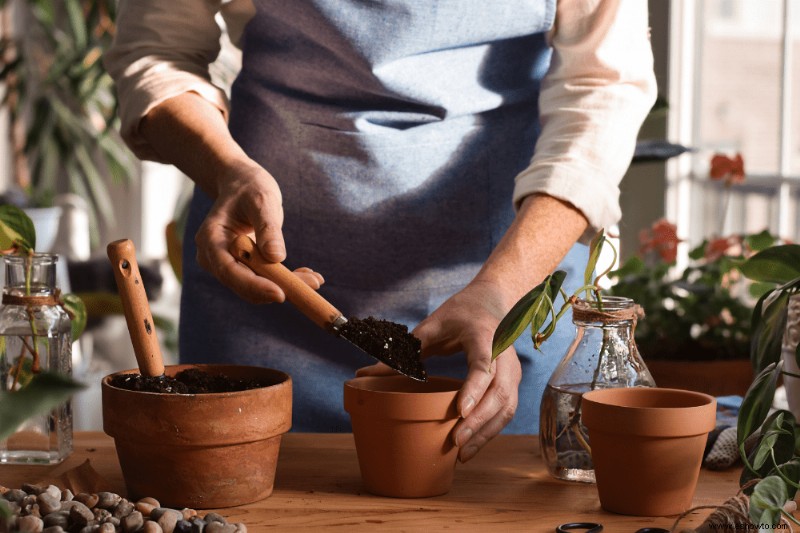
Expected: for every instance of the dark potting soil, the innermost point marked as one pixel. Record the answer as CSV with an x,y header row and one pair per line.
x,y
388,342
189,381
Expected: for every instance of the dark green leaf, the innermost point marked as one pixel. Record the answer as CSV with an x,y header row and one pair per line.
x,y
16,229
595,247
778,264
77,310
45,392
533,308
757,402
767,328
760,241
76,22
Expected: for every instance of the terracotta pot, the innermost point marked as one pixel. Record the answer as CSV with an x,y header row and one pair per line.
x,y
402,433
647,447
200,450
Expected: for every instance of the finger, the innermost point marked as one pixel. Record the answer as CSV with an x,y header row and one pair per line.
x,y
378,369
435,340
494,411
265,213
311,278
481,372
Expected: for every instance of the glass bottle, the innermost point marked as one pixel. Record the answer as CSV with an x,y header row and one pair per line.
x,y
602,355
35,331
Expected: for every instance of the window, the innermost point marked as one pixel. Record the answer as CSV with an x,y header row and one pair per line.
x,y
734,87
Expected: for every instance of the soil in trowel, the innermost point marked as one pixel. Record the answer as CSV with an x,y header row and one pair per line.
x,y
388,342
190,381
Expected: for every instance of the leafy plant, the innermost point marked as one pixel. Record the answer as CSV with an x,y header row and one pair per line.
x,y
34,391
774,461
61,103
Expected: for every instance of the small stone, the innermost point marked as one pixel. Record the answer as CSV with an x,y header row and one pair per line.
x,y
122,509
132,522
54,491
145,505
67,496
107,528
101,515
15,495
107,500
30,524
214,517
219,527
33,510
30,488
60,519
89,500
79,514
53,529
188,513
168,520
113,520
152,527
90,528
183,526
29,499
49,502
240,527
198,524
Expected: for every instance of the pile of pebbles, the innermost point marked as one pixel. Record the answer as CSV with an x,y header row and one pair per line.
x,y
37,509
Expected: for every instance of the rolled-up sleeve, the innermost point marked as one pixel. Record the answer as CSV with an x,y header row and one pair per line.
x,y
162,49
595,96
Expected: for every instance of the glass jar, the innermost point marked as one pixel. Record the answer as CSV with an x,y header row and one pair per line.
x,y
603,355
35,336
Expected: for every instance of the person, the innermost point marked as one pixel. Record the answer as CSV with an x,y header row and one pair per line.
x,y
434,160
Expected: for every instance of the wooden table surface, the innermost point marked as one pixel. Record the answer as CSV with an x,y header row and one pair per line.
x,y
318,486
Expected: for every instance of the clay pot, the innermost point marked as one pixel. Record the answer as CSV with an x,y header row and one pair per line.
x,y
402,430
647,447
200,450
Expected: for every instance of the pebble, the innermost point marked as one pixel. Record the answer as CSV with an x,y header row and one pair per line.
x,y
48,509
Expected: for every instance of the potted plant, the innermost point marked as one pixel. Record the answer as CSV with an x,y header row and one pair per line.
x,y
697,331
61,104
35,346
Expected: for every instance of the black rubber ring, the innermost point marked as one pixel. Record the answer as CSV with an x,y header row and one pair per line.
x,y
652,530
590,527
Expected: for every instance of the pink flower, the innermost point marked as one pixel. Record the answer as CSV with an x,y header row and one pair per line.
x,y
729,169
663,238
722,246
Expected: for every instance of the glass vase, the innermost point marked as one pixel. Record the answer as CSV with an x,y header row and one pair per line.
x,y
35,336
602,355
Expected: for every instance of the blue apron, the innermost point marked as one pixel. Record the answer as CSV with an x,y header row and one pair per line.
x,y
395,129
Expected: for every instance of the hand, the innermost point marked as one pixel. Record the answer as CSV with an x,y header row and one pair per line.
x,y
488,400
248,203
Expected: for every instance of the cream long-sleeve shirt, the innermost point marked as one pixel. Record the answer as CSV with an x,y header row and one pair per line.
x,y
598,90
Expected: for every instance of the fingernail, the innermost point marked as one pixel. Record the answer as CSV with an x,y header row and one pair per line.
x,y
463,437
467,406
467,453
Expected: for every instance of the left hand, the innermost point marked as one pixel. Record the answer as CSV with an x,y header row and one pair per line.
x,y
488,400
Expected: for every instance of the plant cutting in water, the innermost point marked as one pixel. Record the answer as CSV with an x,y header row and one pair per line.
x,y
30,391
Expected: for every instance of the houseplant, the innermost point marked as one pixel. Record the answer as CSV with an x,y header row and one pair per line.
x,y
61,103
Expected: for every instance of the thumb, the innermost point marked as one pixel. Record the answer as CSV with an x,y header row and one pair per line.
x,y
431,333
267,217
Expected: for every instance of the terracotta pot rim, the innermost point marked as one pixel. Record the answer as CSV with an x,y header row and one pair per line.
x,y
283,376
415,404
359,383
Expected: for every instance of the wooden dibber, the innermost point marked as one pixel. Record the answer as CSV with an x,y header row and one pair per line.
x,y
142,330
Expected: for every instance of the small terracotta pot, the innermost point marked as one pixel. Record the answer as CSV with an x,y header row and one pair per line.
x,y
647,447
200,450
402,433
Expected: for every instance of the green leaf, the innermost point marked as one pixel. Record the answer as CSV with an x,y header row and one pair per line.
x,y
16,229
768,325
46,391
767,501
77,310
757,402
634,265
777,264
76,22
533,308
595,247
760,241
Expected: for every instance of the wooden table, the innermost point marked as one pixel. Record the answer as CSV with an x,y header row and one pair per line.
x,y
318,486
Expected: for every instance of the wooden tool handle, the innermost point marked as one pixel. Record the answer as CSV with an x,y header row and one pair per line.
x,y
142,330
306,299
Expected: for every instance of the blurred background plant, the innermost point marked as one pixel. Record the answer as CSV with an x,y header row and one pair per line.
x,y
61,104
703,310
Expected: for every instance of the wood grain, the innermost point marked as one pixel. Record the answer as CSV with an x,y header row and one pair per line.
x,y
317,487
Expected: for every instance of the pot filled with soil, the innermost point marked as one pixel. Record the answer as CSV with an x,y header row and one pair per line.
x,y
402,430
647,446
198,436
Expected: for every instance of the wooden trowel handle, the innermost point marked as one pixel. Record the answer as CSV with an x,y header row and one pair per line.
x,y
142,330
306,299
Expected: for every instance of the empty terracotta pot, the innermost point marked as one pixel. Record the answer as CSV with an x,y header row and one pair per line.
x,y
647,447
200,450
402,433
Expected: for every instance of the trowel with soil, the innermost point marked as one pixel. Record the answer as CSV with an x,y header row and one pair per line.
x,y
386,341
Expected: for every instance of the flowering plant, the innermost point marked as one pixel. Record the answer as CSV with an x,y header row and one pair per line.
x,y
705,309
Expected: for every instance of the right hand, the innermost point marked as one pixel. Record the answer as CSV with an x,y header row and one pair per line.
x,y
248,203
